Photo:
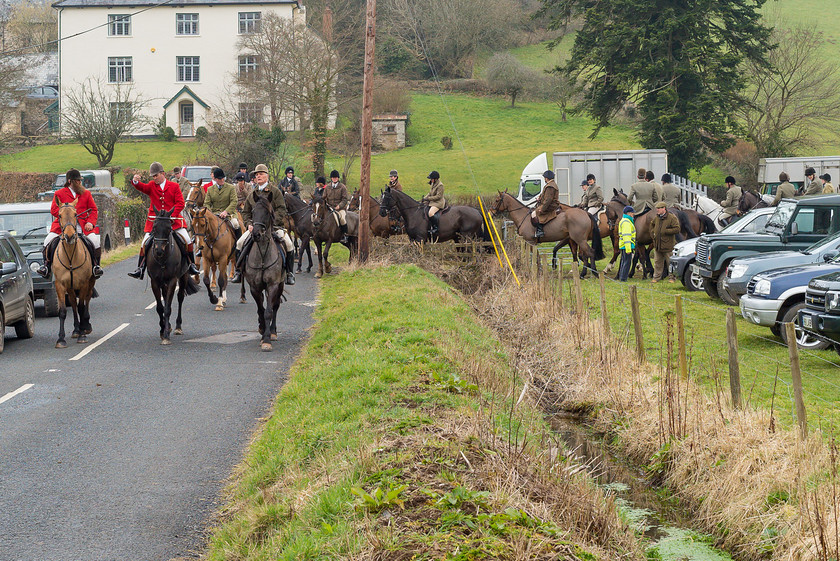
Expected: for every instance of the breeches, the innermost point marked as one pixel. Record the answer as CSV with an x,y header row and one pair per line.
x,y
593,210
287,241
433,210
342,217
234,222
94,238
180,231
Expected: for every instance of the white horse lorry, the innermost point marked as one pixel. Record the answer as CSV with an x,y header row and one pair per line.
x,y
613,169
770,168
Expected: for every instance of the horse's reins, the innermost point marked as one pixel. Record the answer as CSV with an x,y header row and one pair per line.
x,y
205,236
521,205
66,238
271,241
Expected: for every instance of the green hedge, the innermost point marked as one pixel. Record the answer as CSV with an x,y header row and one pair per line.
x,y
135,210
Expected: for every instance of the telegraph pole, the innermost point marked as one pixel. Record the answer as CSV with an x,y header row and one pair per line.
x,y
367,132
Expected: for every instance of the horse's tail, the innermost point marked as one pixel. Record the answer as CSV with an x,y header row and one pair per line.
x,y
485,233
685,224
707,224
191,287
597,243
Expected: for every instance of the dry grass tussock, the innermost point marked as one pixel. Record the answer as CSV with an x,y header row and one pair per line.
x,y
763,492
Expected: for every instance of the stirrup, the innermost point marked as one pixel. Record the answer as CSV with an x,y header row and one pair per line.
x,y
137,273
44,271
97,271
237,278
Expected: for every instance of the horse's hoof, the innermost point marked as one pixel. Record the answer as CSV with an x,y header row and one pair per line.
x,y
88,330
265,347
82,339
328,268
165,342
219,307
243,300
273,336
298,271
309,270
75,335
178,331
318,275
61,345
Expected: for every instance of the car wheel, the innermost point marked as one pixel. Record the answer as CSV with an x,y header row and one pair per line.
x,y
723,294
804,339
710,286
776,330
691,280
2,332
51,302
25,328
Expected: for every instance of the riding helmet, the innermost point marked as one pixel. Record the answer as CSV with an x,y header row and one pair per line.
x,y
218,173
666,178
729,179
810,171
394,173
72,174
243,165
548,174
321,179
240,177
155,168
289,169
334,173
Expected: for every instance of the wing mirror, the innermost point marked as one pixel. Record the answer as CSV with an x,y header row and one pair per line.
x,y
8,268
830,255
794,229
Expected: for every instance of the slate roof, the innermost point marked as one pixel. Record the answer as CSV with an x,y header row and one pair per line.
x,y
143,3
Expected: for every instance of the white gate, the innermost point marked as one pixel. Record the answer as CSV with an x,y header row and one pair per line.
x,y
689,190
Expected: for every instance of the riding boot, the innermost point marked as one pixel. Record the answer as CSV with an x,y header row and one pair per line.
x,y
237,274
434,223
290,266
344,239
97,257
193,270
243,253
45,270
141,265
538,231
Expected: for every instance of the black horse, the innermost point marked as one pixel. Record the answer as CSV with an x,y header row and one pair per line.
x,y
167,265
264,270
456,222
300,215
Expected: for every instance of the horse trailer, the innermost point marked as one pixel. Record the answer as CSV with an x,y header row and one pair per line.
x,y
770,168
613,169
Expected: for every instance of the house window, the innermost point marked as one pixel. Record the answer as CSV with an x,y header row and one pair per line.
x,y
186,24
250,112
390,128
120,110
119,25
187,68
248,67
249,22
119,69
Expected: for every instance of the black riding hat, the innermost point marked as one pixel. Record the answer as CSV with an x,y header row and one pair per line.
x,y
334,173
548,174
218,173
289,169
433,175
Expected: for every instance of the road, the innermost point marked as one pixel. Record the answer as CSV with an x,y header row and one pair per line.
x,y
123,453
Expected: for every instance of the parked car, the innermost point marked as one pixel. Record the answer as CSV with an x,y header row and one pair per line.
x,y
821,314
740,271
776,297
795,224
198,175
17,300
28,224
91,179
685,252
42,92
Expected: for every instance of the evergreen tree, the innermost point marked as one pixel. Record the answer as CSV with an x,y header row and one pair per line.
x,y
678,61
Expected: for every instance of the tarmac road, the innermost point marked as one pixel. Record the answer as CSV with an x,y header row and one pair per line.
x,y
121,454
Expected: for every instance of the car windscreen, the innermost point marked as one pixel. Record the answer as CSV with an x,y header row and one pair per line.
x,y
782,215
36,224
826,243
198,173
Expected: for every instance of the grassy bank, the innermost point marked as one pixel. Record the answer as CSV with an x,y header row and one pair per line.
x,y
398,436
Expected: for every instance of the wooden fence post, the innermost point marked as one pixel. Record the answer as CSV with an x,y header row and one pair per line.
x,y
604,320
681,337
578,292
535,252
560,280
637,323
796,377
734,369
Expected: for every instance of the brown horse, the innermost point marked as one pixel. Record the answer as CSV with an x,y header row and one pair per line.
x,y
194,201
326,232
573,226
380,226
607,227
73,273
456,222
217,242
300,224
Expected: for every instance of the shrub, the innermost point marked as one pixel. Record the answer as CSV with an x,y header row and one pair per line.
x,y
167,135
18,187
135,210
447,142
128,174
201,133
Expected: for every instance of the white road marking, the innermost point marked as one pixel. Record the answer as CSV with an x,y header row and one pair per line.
x,y
108,336
10,395
152,305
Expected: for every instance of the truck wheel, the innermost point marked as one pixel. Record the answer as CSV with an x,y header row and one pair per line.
x,y
804,339
691,280
710,286
722,291
51,302
25,328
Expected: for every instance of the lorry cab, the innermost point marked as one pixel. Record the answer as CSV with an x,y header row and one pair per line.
x,y
532,181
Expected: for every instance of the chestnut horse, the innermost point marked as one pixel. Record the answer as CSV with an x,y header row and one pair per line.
x,y
217,242
73,273
380,226
573,226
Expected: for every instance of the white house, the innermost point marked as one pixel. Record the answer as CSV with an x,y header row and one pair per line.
x,y
181,55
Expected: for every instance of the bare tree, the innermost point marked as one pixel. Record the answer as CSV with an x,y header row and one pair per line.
x,y
793,101
5,16
98,116
263,76
508,76
11,90
32,26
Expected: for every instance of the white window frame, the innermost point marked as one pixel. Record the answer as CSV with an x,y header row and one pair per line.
x,y
249,22
119,25
120,69
186,24
249,66
251,112
187,69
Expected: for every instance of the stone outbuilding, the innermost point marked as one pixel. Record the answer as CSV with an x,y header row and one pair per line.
x,y
389,131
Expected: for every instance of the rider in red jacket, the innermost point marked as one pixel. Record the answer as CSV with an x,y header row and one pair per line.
x,y
86,214
164,195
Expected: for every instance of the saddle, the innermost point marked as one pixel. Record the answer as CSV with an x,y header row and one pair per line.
x,y
638,214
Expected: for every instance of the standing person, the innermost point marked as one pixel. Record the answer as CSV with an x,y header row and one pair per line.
x,y
163,195
243,189
182,182
592,199
651,178
244,243
785,190
663,231
394,181
290,184
86,215
547,204
729,205
815,184
337,199
626,242
671,194
642,193
828,188
436,202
